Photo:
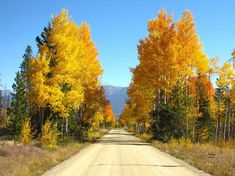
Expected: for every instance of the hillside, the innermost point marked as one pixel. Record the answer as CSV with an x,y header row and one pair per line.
x,y
117,97
6,97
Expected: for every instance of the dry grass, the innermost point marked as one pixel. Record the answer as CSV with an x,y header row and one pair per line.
x,y
217,159
24,160
30,160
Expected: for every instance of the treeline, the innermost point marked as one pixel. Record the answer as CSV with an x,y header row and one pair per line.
x,y
57,93
171,93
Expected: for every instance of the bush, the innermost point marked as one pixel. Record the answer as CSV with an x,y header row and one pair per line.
x,y
25,133
185,142
49,135
65,140
146,137
91,134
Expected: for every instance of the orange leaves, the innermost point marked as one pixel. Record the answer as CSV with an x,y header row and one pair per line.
x,y
233,53
205,82
169,56
171,51
158,27
109,116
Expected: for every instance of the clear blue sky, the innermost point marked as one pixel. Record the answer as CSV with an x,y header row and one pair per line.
x,y
116,26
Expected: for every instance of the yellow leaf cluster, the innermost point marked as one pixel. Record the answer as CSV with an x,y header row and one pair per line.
x,y
67,65
26,133
226,76
49,135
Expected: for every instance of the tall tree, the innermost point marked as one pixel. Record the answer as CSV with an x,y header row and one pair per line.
x,y
20,107
65,74
171,56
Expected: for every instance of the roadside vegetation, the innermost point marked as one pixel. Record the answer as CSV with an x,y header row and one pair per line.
x,y
215,157
36,160
173,102
58,102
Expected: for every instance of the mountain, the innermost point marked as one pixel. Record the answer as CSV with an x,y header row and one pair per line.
x,y
117,97
6,98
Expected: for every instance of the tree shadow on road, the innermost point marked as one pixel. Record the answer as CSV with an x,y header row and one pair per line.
x,y
145,165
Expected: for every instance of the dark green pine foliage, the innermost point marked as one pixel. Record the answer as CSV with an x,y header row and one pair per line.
x,y
43,39
165,123
181,102
203,123
19,109
219,97
168,118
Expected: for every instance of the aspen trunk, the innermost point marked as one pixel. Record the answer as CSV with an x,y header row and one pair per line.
x,y
225,120
229,114
66,126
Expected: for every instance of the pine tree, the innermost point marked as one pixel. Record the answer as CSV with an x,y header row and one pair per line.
x,y
203,122
19,109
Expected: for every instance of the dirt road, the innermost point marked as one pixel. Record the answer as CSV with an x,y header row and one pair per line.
x,y
121,154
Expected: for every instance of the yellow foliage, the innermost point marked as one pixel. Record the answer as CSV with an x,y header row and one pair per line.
x,y
226,76
49,135
181,142
39,68
97,119
26,134
67,65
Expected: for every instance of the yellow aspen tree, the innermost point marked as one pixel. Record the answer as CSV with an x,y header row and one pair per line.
x,y
127,119
190,55
155,53
66,70
233,83
169,55
225,82
66,88
38,70
73,64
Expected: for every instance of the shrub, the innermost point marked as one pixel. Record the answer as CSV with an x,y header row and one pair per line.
x,y
91,134
185,142
49,135
146,137
25,133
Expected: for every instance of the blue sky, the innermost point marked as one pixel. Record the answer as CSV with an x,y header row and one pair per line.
x,y
116,26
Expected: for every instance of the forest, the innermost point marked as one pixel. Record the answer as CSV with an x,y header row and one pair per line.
x,y
176,91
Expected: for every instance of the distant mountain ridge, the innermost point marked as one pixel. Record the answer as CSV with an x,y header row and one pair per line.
x,y
117,97
6,98
115,94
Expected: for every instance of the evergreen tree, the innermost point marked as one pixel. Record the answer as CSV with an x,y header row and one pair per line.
x,y
20,105
166,123
203,122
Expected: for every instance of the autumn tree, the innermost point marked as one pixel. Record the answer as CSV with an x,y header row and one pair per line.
x,y
64,77
225,83
169,56
109,117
